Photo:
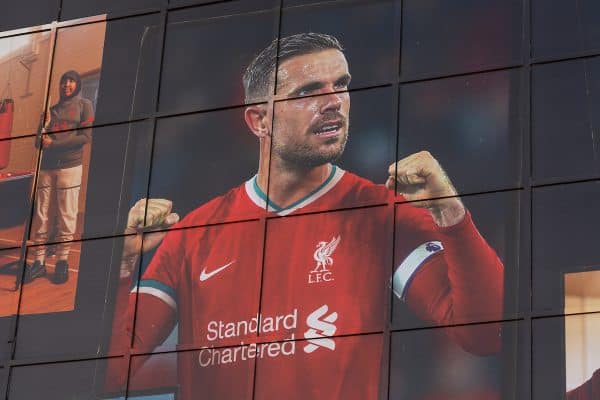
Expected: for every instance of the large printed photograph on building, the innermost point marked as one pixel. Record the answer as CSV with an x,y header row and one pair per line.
x,y
582,354
60,137
282,221
255,261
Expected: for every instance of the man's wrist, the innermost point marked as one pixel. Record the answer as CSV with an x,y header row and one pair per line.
x,y
448,212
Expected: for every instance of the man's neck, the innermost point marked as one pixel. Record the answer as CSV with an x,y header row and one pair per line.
x,y
288,185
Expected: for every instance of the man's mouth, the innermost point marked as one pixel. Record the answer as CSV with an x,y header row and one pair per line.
x,y
329,129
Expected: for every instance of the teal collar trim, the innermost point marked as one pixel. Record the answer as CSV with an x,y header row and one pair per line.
x,y
335,173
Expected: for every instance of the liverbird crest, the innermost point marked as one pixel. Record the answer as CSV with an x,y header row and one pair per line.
x,y
323,253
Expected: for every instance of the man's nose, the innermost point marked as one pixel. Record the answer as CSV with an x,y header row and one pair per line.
x,y
331,101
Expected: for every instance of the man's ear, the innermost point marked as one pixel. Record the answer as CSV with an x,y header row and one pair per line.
x,y
257,120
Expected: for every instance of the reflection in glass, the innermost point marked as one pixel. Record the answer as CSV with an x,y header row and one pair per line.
x,y
466,122
459,36
50,291
191,80
582,291
371,51
428,364
582,356
16,184
76,315
24,70
65,380
346,367
191,275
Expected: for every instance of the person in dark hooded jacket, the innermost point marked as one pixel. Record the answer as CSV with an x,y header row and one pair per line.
x,y
66,131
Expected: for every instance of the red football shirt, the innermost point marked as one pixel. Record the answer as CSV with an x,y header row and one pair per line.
x,y
325,277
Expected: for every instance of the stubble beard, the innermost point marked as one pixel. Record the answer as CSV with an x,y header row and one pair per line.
x,y
304,156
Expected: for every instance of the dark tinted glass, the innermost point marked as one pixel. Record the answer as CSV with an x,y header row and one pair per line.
x,y
207,50
464,362
444,38
566,357
23,83
346,367
18,161
11,269
565,101
434,282
84,8
371,51
117,176
204,280
29,13
76,314
565,221
336,269
563,28
201,156
130,63
235,6
69,380
3,379
466,123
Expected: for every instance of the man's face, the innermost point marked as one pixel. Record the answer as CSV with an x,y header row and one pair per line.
x,y
311,130
67,87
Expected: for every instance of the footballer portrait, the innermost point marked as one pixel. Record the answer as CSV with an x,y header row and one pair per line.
x,y
296,299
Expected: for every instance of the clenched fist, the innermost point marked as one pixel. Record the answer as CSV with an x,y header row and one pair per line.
x,y
421,179
158,215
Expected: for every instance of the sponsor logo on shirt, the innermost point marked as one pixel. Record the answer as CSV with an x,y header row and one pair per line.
x,y
321,328
318,335
323,257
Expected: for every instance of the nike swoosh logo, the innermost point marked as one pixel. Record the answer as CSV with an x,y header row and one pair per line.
x,y
206,275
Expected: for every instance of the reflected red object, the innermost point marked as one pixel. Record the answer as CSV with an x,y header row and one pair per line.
x,y
7,108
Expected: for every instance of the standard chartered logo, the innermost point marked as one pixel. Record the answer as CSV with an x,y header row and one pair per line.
x,y
321,328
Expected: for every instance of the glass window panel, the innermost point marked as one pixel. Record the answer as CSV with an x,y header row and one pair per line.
x,y
444,38
125,84
3,378
117,177
74,306
336,136
566,96
77,66
18,162
11,270
23,81
191,80
462,362
235,6
185,284
201,156
466,122
562,28
434,282
215,373
346,367
83,8
566,250
371,51
566,357
329,266
88,180
67,380
29,13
